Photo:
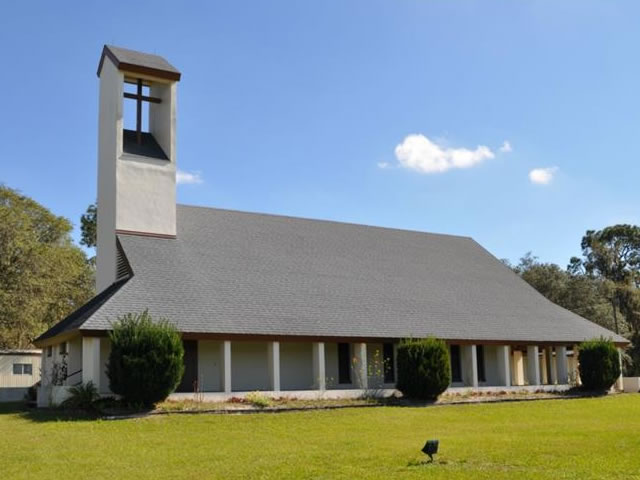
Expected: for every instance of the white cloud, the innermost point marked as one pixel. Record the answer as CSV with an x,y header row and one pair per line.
x,y
188,178
384,165
419,153
542,176
506,147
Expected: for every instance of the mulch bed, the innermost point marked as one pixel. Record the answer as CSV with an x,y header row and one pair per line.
x,y
246,408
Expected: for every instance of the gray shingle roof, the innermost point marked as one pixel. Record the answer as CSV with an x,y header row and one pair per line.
x,y
232,272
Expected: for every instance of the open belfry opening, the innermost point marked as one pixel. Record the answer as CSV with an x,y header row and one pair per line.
x,y
139,140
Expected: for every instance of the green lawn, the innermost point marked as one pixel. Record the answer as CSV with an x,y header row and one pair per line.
x,y
587,438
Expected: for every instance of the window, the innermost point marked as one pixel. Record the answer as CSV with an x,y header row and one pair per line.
x,y
482,377
49,351
387,360
63,348
344,363
456,369
22,369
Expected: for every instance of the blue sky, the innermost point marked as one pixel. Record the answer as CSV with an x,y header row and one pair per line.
x,y
389,113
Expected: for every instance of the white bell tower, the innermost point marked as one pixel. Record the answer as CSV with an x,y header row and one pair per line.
x,y
136,168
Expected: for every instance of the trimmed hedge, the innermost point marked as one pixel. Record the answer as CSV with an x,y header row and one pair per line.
x,y
599,364
424,368
146,360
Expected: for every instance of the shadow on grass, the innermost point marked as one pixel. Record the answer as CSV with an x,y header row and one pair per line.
x,y
40,415
425,462
43,415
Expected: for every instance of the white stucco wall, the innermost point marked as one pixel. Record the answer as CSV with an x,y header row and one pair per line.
x,y
296,366
146,195
109,150
146,187
209,365
249,366
162,117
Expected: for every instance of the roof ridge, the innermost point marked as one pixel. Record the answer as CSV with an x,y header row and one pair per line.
x,y
325,220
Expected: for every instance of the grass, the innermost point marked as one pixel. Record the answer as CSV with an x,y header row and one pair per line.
x,y
593,438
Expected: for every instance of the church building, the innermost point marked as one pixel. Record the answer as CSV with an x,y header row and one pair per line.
x,y
287,305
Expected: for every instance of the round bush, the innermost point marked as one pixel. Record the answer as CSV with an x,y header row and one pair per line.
x,y
146,360
598,364
424,368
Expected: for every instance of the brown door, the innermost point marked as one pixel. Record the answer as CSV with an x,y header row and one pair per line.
x,y
190,377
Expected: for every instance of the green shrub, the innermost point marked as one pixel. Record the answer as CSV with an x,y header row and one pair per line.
x,y
82,396
424,368
599,364
258,399
146,360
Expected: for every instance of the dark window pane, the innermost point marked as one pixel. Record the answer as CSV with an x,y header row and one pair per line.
x,y
17,369
482,377
387,360
456,370
344,363
49,351
63,348
27,369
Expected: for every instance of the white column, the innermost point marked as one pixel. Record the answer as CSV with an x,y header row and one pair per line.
x,y
517,367
274,366
504,363
44,377
562,368
533,365
469,366
319,375
225,366
91,361
573,366
551,372
620,382
359,365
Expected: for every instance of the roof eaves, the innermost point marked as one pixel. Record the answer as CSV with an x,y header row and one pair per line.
x,y
78,317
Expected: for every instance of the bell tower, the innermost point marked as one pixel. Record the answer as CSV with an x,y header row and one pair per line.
x,y
136,168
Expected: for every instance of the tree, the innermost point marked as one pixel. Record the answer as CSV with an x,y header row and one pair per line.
x,y
146,360
572,288
89,226
613,253
43,275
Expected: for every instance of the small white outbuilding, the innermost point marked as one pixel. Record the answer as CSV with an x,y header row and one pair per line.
x,y
19,370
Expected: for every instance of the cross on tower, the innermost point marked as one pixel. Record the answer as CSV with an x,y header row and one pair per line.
x,y
139,98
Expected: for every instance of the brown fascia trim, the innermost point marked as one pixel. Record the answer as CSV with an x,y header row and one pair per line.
x,y
56,339
133,68
329,339
145,234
